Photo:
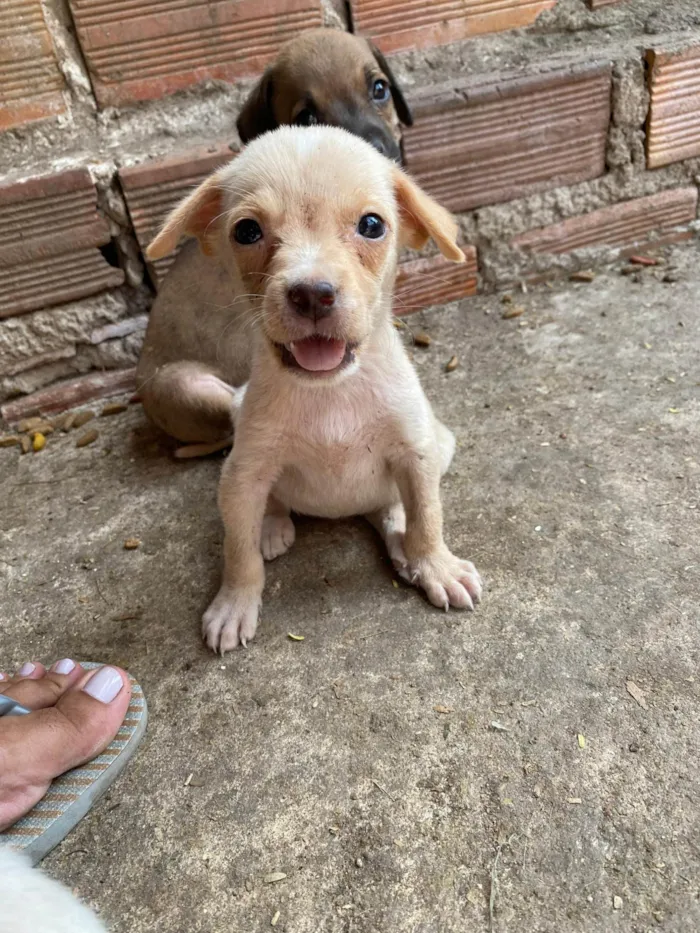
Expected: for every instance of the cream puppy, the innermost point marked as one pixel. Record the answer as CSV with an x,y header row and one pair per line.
x,y
300,236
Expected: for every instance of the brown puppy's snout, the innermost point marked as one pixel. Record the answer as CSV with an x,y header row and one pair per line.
x,y
314,300
384,144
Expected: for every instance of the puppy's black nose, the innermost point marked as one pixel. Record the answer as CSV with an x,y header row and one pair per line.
x,y
312,299
387,146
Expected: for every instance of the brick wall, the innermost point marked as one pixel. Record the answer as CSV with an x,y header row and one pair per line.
x,y
562,132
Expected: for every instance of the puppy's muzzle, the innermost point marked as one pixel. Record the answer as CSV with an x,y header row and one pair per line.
x,y
384,143
313,300
321,352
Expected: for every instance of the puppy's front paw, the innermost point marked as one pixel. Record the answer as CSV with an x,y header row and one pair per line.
x,y
232,619
277,536
447,580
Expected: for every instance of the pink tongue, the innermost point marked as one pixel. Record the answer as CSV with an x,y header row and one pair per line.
x,y
318,354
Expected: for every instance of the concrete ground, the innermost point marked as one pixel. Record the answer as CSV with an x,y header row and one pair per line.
x,y
406,769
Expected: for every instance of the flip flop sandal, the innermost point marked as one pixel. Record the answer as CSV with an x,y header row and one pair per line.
x,y
71,795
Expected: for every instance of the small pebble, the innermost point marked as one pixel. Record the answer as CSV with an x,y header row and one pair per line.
x,y
274,876
88,438
273,922
131,544
633,747
30,424
359,862
25,443
82,417
422,340
67,421
113,408
452,364
9,440
617,903
510,313
584,275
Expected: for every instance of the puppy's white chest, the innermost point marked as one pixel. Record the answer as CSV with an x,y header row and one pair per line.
x,y
337,466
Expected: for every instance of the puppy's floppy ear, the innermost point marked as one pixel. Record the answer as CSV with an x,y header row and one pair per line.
x,y
192,217
402,109
422,218
258,114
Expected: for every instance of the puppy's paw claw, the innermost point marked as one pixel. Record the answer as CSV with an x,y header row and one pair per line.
x,y
447,581
231,619
278,536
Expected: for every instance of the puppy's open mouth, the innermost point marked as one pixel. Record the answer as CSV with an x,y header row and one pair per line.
x,y
317,355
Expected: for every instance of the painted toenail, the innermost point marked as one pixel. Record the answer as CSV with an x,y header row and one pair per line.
x,y
63,667
104,685
26,669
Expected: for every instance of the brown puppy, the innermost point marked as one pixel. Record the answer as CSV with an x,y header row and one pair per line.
x,y
330,77
190,361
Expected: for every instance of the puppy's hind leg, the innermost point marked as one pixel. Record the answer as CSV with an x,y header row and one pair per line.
x,y
390,522
446,446
278,531
191,403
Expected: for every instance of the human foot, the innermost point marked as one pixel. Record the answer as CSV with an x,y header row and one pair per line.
x,y
75,715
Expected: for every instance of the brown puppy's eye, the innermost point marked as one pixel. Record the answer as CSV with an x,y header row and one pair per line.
x,y
371,227
247,232
381,91
306,117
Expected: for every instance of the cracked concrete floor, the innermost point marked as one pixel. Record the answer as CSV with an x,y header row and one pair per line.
x,y
403,767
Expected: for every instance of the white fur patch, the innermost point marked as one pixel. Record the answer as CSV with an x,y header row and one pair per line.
x,y
31,902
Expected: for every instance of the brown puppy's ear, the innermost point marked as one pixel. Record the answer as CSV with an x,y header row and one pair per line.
x,y
192,217
422,218
258,114
402,109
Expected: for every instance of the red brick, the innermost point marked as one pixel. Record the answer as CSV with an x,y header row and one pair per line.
x,y
152,190
144,51
407,24
49,233
422,283
483,143
673,131
65,395
31,85
626,224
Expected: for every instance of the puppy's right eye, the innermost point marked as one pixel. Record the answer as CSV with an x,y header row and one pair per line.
x,y
247,231
371,227
306,117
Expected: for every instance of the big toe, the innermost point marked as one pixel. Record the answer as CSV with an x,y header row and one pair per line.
x,y
44,744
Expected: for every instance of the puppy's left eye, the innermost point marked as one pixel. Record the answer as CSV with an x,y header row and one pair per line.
x,y
247,231
381,91
371,227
